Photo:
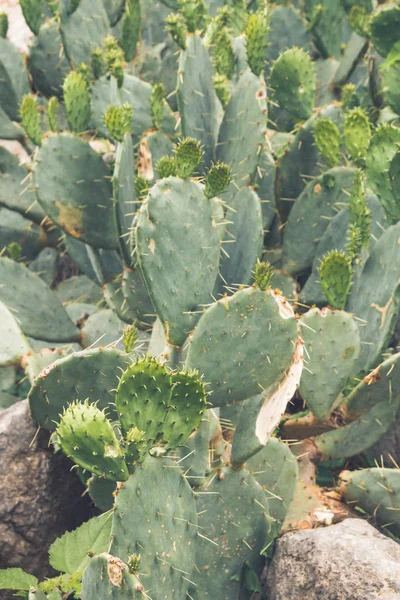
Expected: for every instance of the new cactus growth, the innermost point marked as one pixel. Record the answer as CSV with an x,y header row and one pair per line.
x,y
157,100
77,101
87,436
52,109
30,118
131,28
263,274
118,120
188,156
335,277
177,29
218,178
256,40
328,141
357,134
3,24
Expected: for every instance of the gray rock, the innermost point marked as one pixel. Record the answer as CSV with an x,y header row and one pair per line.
x,y
40,497
348,561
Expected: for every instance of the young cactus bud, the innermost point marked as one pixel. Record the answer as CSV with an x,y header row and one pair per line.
x,y
177,29
349,96
222,90
30,119
136,447
194,13
360,215
33,13
360,21
294,82
98,64
335,278
131,29
52,108
118,120
129,339
84,70
218,178
114,57
256,40
3,24
327,140
223,54
134,563
188,155
14,251
157,104
77,101
87,436
262,275
141,187
354,243
166,167
357,134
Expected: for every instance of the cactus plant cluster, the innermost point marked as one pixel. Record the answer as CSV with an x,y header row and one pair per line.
x,y
225,178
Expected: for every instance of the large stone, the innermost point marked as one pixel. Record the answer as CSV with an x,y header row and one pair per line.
x,y
348,561
40,497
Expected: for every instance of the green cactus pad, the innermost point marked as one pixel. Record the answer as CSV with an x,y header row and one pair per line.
x,y
131,28
188,156
385,29
198,104
244,237
89,374
19,237
74,188
143,396
88,438
328,141
256,40
178,250
102,328
242,133
377,492
335,278
79,289
287,30
165,528
84,30
30,119
335,237
332,346
77,102
188,404
136,298
301,160
242,344
328,25
125,200
375,298
391,78
229,537
293,81
14,344
14,83
310,216
382,150
357,133
101,492
195,453
275,468
360,435
47,62
108,577
218,178
39,313
261,415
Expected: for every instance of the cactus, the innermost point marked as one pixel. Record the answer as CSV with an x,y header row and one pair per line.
x,y
357,134
335,278
131,28
77,102
328,142
108,576
375,491
256,40
87,436
118,120
293,81
30,119
33,13
3,24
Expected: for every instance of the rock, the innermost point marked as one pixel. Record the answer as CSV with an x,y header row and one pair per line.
x,y
348,561
40,497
